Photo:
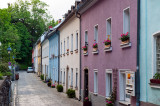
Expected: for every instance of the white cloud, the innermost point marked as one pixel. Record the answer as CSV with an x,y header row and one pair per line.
x,y
56,8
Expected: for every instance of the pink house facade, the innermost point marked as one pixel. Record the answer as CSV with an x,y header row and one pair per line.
x,y
112,67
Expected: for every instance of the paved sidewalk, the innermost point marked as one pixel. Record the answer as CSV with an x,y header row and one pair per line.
x,y
31,91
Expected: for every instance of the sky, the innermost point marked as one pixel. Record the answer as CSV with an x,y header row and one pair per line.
x,y
56,8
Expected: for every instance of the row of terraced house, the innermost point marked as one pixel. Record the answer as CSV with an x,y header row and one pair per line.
x,y
103,46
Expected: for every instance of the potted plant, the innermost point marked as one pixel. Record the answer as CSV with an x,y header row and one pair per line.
x,y
49,83
107,43
112,98
156,79
67,51
125,38
53,86
95,46
84,49
86,102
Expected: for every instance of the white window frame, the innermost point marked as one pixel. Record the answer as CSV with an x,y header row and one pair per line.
x,y
64,77
71,42
124,20
64,46
122,85
95,81
61,47
76,40
109,82
96,33
76,79
109,27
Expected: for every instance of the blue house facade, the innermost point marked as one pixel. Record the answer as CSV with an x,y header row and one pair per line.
x,y
149,51
53,38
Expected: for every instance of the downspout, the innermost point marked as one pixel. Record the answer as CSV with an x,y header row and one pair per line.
x,y
138,59
58,56
79,53
41,59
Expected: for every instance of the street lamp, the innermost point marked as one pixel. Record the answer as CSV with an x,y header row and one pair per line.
x,y
9,51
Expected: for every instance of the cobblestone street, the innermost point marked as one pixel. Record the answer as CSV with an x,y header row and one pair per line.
x,y
31,91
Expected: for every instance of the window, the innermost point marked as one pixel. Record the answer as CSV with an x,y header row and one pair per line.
x,y
109,34
126,21
96,82
72,42
76,41
67,42
61,76
64,77
122,82
64,46
86,37
76,79
71,76
108,83
96,33
61,48
158,53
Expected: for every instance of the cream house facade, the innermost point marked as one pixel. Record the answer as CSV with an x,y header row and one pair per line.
x,y
70,54
45,56
36,58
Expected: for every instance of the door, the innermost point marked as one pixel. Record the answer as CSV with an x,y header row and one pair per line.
x,y
86,83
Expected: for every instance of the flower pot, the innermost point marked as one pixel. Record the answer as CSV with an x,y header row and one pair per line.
x,y
84,51
107,46
156,81
124,42
87,103
95,49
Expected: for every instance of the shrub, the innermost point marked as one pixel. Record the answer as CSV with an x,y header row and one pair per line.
x,y
23,67
49,83
42,77
59,88
8,74
71,93
1,76
4,68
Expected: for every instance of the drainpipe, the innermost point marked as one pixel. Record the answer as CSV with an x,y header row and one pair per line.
x,y
41,59
58,56
138,59
79,16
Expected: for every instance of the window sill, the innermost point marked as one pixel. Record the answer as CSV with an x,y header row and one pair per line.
x,y
126,103
85,54
125,45
67,53
109,49
95,52
95,94
154,85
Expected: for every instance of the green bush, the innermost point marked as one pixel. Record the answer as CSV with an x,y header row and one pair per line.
x,y
59,88
42,77
4,68
7,74
23,67
71,93
1,76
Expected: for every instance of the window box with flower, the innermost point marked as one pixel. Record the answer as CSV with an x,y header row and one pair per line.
x,y
86,102
85,50
95,48
67,52
107,44
125,40
155,82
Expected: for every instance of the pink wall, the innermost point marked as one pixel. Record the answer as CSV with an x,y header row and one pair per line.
x,y
119,58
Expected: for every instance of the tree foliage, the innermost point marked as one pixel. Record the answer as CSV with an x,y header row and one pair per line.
x,y
21,24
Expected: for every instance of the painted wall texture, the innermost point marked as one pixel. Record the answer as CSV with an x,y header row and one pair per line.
x,y
150,25
72,60
39,59
53,56
36,58
45,57
118,58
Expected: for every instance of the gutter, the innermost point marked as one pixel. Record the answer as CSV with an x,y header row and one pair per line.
x,y
58,57
79,16
138,59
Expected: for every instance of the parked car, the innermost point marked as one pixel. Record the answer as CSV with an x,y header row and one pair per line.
x,y
30,69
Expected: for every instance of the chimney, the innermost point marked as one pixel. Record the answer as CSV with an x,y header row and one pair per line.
x,y
59,21
76,3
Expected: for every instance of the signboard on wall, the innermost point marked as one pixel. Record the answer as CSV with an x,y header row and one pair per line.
x,y
130,83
